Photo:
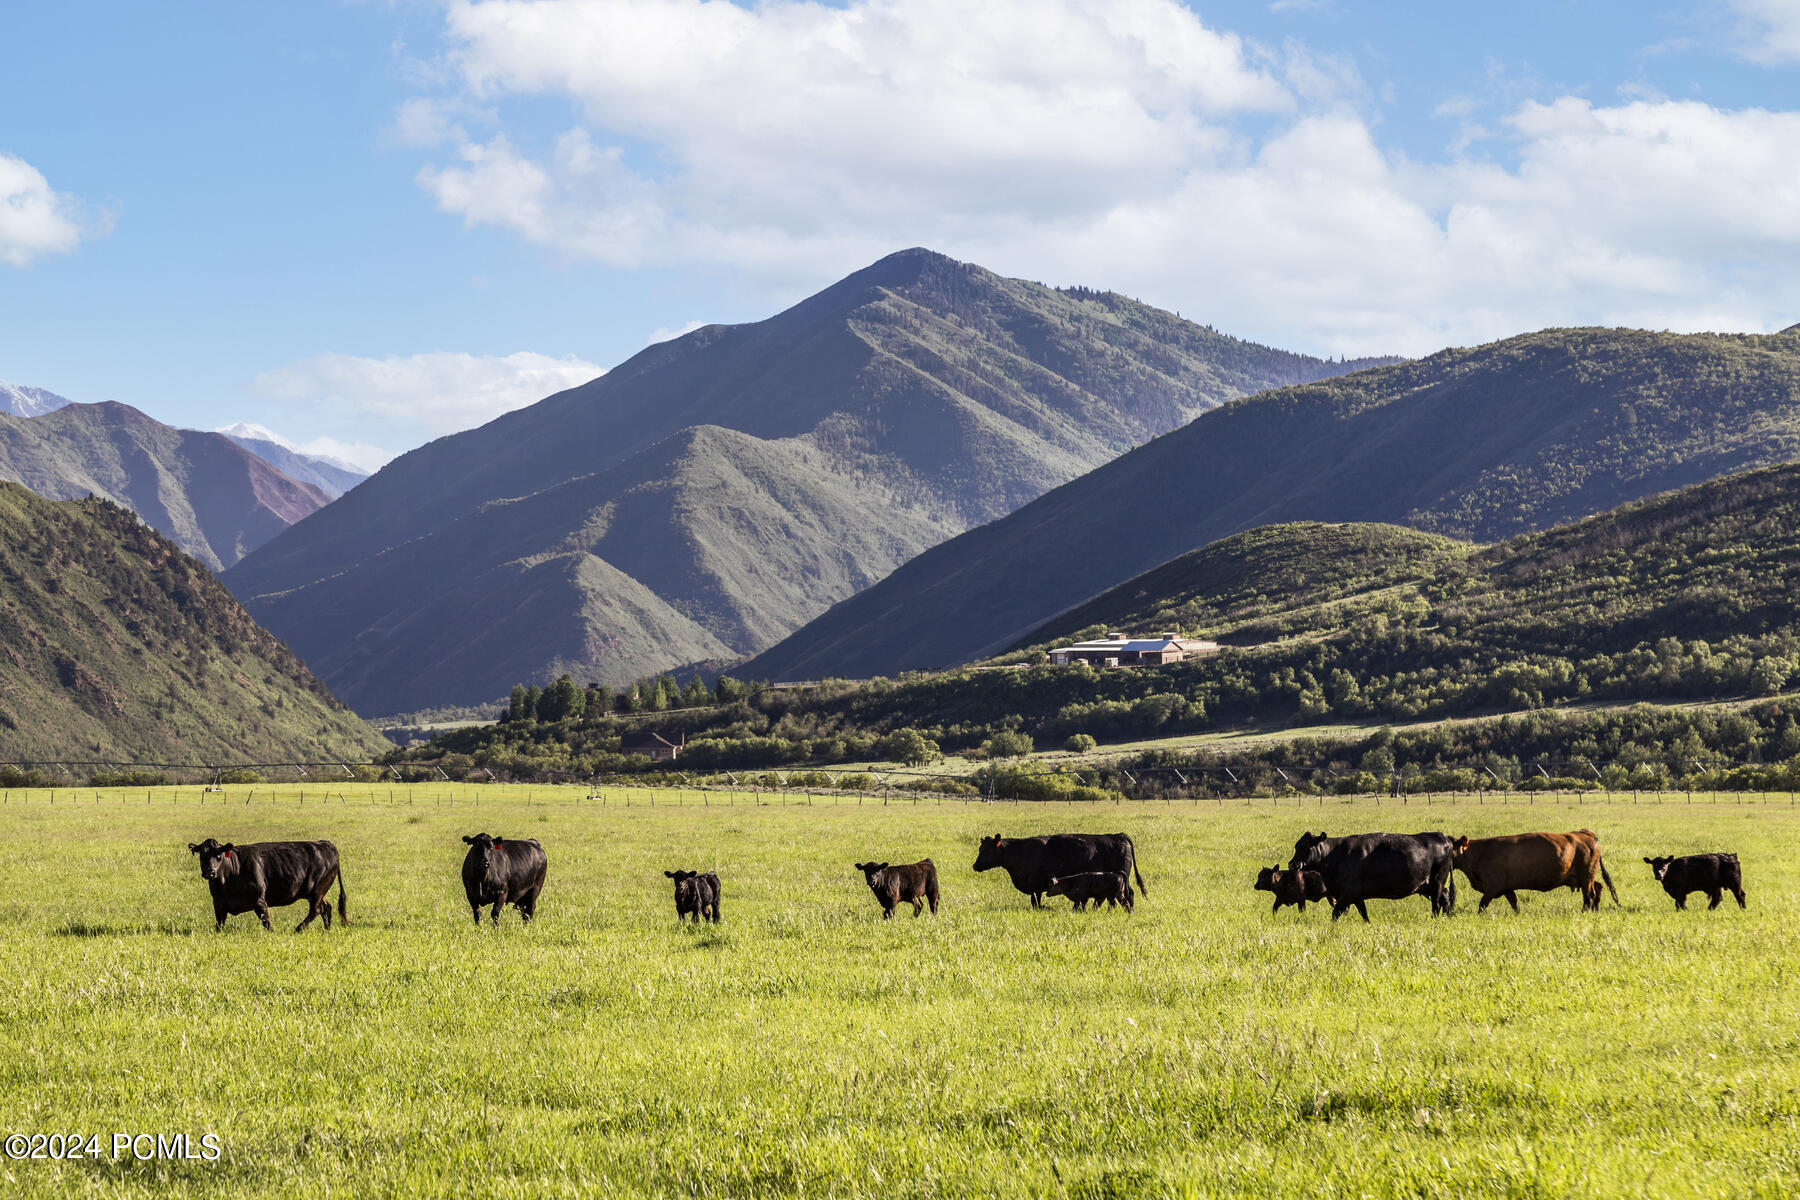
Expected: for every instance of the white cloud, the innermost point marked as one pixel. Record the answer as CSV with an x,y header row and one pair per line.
x,y
34,219
804,123
1769,30
1122,144
437,393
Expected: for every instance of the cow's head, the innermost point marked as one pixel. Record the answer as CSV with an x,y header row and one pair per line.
x,y
1459,850
989,856
1267,878
216,858
1659,867
1056,886
1309,849
481,848
872,872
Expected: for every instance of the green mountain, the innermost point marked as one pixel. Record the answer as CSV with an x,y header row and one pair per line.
x,y
116,646
216,499
1686,596
1238,586
1482,443
708,496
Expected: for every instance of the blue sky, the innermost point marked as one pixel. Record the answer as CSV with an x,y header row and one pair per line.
x,y
368,224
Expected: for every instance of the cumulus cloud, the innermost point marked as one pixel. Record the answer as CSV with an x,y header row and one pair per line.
x,y
437,393
34,219
1769,30
807,123
1115,142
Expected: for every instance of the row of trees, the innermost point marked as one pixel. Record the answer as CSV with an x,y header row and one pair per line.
x,y
566,700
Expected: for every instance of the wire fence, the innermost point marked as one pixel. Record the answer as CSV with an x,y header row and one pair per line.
x,y
895,789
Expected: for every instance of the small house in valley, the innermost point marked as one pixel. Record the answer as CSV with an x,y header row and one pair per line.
x,y
1118,650
653,746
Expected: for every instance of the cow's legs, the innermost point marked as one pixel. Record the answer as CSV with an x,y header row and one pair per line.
x,y
219,915
1364,910
262,913
1681,902
325,908
528,906
1339,908
1485,901
476,909
1738,891
312,912
1512,898
1716,896
499,903
1276,907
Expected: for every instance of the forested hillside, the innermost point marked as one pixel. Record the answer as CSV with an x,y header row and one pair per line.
x,y
117,647
706,497
1482,443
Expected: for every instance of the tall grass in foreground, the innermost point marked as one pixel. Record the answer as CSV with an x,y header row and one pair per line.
x,y
804,1047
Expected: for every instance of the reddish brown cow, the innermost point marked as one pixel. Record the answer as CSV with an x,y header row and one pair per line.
x,y
1534,862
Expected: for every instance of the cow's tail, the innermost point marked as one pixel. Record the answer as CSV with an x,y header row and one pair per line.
x,y
1137,874
343,915
1609,884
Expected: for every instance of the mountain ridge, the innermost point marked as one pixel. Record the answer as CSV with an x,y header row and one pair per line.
x,y
762,471
1482,443
213,497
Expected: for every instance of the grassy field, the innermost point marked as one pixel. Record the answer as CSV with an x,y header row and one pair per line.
x,y
803,1047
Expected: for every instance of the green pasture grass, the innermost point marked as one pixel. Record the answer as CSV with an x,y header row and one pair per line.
x,y
804,1047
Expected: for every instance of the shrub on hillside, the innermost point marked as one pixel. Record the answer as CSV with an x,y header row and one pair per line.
x,y
1080,743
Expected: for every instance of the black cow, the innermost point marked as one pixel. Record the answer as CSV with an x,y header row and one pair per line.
x,y
501,872
893,886
1108,887
1290,887
1379,866
696,895
1031,862
263,875
1714,874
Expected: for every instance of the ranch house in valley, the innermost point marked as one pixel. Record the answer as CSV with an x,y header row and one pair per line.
x,y
1118,650
653,746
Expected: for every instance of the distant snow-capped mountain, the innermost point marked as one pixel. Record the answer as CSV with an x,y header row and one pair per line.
x,y
333,476
28,401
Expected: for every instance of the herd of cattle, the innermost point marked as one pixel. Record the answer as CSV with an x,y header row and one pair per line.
x,y
1344,872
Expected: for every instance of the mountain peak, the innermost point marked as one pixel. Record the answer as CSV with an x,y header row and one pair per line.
x,y
28,401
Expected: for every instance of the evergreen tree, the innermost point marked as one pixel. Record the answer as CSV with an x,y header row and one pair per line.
x,y
533,697
695,694
515,709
